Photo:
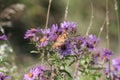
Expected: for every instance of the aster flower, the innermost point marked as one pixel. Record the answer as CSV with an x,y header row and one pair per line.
x,y
33,74
31,33
80,42
43,42
89,42
3,37
67,26
54,31
107,54
116,64
92,41
45,32
73,26
78,39
46,37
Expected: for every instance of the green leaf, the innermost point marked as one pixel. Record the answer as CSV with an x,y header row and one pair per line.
x,y
34,52
66,73
71,62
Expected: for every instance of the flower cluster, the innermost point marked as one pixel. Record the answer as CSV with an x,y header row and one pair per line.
x,y
56,36
64,48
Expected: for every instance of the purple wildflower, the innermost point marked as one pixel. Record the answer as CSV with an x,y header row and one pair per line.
x,y
33,74
3,37
88,43
46,32
43,42
67,26
73,26
31,33
107,54
92,41
54,28
46,37
53,34
116,64
79,42
79,39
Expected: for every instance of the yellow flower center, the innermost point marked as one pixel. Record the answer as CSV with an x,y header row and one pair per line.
x,y
105,57
30,75
43,39
33,29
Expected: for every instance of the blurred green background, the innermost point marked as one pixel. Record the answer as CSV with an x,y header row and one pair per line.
x,y
34,15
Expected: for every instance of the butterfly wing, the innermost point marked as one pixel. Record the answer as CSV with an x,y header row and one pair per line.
x,y
60,40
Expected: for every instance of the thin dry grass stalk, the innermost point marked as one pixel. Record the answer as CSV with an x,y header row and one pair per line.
x,y
47,19
66,10
107,24
118,24
107,35
48,12
91,20
101,29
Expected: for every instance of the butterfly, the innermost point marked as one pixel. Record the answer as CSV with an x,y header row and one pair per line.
x,y
60,40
